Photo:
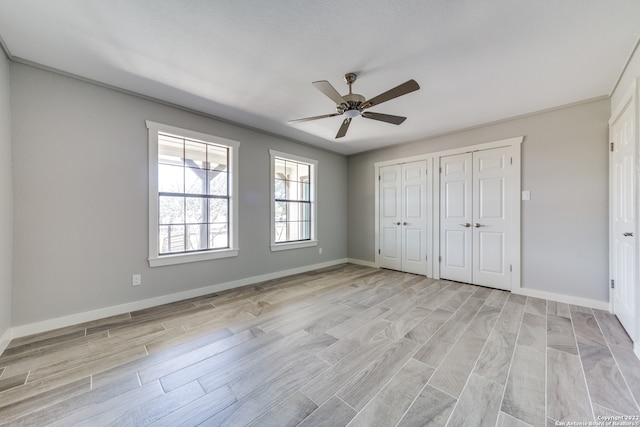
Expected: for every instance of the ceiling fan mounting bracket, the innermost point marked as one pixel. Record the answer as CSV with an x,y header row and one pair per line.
x,y
350,78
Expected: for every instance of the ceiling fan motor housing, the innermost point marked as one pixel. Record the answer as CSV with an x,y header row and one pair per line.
x,y
354,101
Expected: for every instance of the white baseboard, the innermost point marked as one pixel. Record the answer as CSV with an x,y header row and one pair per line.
x,y
567,299
361,262
88,316
5,339
636,350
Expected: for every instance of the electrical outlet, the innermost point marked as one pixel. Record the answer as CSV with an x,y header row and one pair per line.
x,y
320,251
136,280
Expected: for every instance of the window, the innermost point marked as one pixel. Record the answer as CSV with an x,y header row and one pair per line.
x,y
192,196
293,210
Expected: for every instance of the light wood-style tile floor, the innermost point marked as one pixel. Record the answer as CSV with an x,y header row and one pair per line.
x,y
343,345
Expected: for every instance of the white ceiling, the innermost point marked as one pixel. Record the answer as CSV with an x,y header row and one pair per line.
x,y
253,61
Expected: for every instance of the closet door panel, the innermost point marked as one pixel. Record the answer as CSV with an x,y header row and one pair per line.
x,y
414,217
456,217
491,218
390,212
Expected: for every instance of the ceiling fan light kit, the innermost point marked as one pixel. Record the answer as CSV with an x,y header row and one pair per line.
x,y
353,105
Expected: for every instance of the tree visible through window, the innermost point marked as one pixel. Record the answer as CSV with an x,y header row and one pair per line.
x,y
193,203
293,199
193,195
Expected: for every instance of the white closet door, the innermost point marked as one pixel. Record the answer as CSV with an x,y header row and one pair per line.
x,y
456,217
390,212
623,212
475,217
403,218
491,217
414,217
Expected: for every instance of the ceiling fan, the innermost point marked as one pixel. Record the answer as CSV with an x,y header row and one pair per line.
x,y
353,105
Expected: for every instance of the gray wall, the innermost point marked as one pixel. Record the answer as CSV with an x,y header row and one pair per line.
x,y
80,174
6,198
564,165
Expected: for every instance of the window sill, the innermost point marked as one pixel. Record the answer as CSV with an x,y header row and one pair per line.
x,y
293,245
163,260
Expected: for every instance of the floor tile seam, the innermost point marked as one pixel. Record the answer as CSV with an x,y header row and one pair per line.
x,y
453,346
415,398
624,377
318,408
584,374
356,411
235,359
376,362
466,383
486,342
31,411
309,397
515,344
513,356
347,403
12,389
612,410
453,410
515,418
387,382
65,372
440,390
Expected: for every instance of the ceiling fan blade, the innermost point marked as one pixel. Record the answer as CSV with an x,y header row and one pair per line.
x,y
403,89
343,129
326,88
395,120
306,119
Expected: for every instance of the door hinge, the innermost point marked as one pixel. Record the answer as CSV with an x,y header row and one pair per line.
x,y
612,147
378,251
440,169
379,177
426,258
511,268
613,284
439,259
510,160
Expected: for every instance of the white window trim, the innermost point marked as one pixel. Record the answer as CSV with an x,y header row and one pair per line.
x,y
157,260
312,193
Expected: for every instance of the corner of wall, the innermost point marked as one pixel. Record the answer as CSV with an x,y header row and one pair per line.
x,y
6,204
5,339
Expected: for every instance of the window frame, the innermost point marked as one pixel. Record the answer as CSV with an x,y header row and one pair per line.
x,y
155,258
313,187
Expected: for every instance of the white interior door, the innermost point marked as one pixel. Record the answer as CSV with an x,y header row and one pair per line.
x,y
456,217
403,217
414,217
623,211
491,217
390,212
475,217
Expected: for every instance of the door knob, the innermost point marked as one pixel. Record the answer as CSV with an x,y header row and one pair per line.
x,y
477,225
405,223
397,223
466,224
627,234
